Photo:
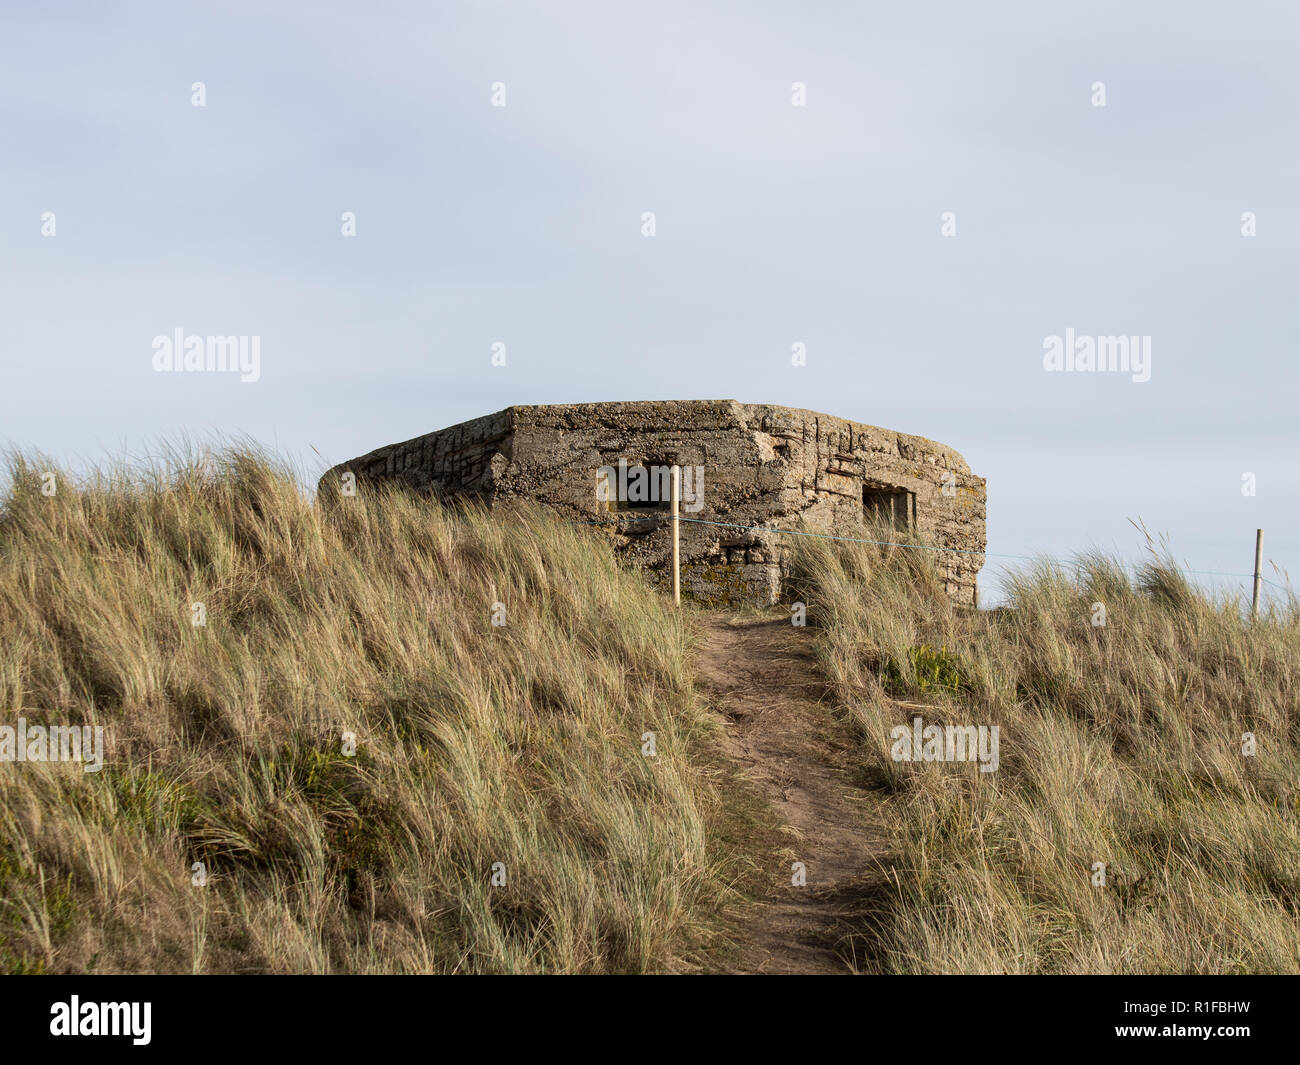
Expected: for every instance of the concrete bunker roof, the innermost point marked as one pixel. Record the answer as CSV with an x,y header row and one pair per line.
x,y
681,415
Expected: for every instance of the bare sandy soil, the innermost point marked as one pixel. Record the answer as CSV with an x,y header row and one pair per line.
x,y
761,676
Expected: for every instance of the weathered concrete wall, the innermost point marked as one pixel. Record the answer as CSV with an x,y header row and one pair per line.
x,y
767,466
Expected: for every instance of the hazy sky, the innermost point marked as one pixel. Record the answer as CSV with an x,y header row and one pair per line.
x,y
775,224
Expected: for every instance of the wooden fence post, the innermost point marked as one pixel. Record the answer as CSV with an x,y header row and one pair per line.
x,y
1259,557
677,537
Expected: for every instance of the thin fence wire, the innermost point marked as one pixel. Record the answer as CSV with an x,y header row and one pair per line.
x,y
663,519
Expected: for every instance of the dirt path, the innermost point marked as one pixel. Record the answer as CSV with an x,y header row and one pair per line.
x,y
761,675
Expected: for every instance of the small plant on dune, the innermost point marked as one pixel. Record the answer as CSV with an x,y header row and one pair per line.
x,y
928,671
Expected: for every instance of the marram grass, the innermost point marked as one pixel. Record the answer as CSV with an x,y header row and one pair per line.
x,y
1122,753
497,813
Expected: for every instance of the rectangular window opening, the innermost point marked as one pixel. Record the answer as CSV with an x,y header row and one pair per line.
x,y
887,505
648,489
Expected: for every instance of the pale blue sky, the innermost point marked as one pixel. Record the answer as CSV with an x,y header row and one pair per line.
x,y
776,224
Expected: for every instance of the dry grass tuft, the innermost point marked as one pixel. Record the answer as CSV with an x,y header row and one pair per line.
x,y
475,744
1120,744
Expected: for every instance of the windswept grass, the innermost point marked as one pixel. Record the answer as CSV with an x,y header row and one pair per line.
x,y
1120,744
480,749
